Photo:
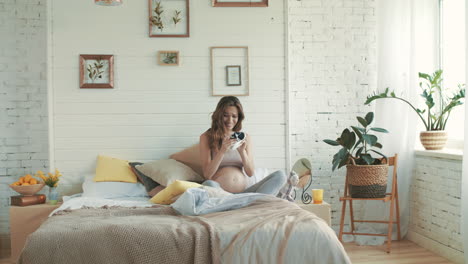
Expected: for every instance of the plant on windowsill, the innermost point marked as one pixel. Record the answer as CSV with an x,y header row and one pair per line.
x,y
366,175
435,120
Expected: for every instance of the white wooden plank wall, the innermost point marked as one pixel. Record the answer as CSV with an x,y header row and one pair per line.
x,y
154,110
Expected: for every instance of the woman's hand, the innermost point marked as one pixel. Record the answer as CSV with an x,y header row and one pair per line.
x,y
242,147
227,144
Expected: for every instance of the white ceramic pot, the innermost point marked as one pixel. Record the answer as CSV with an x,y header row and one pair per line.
x,y
433,140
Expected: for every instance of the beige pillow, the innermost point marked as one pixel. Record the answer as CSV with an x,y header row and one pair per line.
x,y
190,157
167,171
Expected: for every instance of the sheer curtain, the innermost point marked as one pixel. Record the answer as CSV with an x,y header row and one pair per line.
x,y
464,198
406,45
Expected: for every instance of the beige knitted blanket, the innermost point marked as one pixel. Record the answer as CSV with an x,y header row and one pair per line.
x,y
122,235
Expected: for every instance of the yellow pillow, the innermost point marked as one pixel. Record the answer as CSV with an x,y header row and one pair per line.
x,y
110,169
167,195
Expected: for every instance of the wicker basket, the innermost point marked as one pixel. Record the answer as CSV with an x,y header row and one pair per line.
x,y
367,181
433,140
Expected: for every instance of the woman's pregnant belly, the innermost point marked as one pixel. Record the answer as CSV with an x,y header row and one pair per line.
x,y
231,179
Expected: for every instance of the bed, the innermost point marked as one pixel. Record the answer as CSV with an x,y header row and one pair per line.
x,y
132,230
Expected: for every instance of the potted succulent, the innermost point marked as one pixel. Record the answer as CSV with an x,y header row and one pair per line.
x,y
437,113
367,176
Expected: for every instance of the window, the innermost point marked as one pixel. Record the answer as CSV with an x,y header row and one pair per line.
x,y
452,59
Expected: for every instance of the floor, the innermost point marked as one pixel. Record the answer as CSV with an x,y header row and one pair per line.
x,y
403,252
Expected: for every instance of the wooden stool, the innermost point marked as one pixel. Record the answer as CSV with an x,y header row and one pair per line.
x,y
392,197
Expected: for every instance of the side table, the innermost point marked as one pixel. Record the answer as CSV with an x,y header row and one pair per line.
x,y
24,220
322,210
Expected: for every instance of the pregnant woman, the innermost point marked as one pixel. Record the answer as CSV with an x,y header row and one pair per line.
x,y
228,167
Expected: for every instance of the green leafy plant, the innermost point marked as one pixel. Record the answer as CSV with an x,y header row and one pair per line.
x,y
157,19
95,70
176,18
357,144
434,117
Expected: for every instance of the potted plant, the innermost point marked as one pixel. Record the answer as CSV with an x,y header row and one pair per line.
x,y
436,115
367,176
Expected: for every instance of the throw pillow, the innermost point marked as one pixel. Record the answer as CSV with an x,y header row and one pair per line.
x,y
113,170
167,171
167,195
145,180
190,157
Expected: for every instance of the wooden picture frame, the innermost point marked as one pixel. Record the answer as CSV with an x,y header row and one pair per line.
x,y
96,71
224,59
169,18
240,3
168,58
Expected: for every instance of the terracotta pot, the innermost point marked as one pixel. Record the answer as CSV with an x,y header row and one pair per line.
x,y
433,140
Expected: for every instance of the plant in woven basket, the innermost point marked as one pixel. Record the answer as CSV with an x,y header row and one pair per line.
x,y
358,144
365,175
438,103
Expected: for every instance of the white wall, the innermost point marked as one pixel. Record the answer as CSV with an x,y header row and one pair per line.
x,y
153,110
332,55
23,100
435,221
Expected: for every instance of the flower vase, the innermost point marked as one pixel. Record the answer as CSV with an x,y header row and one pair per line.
x,y
53,195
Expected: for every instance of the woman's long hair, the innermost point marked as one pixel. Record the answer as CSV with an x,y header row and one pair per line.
x,y
216,132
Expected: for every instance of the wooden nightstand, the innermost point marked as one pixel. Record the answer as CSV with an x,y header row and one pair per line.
x,y
322,210
24,220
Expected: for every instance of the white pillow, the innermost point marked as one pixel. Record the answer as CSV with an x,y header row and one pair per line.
x,y
167,171
109,190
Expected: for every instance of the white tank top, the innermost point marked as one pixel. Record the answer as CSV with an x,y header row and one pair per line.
x,y
231,158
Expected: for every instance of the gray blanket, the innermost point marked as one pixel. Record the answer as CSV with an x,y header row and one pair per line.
x,y
122,235
269,230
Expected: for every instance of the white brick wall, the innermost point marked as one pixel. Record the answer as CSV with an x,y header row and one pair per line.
x,y
23,115
332,54
436,201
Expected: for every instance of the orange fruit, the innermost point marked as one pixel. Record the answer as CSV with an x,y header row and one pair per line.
x,y
25,184
33,181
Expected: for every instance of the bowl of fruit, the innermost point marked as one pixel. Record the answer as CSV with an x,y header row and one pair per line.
x,y
27,185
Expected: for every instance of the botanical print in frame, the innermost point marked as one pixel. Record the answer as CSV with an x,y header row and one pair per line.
x,y
96,71
168,58
240,3
233,75
230,71
169,18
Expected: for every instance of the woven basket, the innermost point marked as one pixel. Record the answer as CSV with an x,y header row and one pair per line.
x,y
433,140
367,181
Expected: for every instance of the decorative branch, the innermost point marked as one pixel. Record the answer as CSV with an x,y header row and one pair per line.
x,y
176,18
157,19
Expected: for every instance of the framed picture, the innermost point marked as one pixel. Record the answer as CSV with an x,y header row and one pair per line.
x,y
230,71
168,58
240,3
169,18
233,75
96,71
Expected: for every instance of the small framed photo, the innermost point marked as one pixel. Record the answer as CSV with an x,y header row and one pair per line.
x,y
233,75
96,71
240,3
169,18
230,71
168,58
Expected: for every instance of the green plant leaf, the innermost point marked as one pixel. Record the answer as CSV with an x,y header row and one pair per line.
x,y
369,118
359,151
378,129
331,142
368,159
362,121
370,139
375,151
377,145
